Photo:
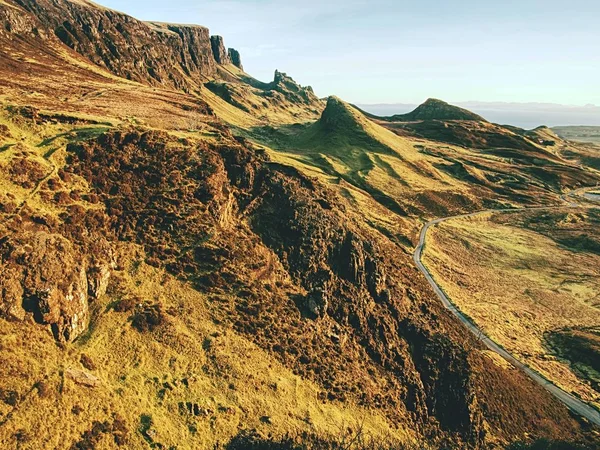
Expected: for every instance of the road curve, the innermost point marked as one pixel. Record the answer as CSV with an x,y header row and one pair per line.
x,y
571,402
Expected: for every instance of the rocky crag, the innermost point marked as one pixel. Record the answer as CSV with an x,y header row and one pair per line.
x,y
170,55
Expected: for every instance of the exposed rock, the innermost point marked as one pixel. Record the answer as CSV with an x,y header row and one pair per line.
x,y
83,378
292,91
4,132
45,275
235,58
98,277
318,302
15,23
177,56
219,52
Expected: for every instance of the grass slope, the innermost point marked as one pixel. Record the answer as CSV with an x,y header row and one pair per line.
x,y
520,285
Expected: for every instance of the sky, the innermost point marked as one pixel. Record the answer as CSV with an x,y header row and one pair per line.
x,y
397,51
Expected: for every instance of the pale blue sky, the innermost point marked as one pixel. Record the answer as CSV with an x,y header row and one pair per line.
x,y
388,51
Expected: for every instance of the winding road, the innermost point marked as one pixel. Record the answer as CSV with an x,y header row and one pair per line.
x,y
571,402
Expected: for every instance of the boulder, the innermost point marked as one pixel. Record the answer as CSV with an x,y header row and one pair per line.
x,y
82,378
45,276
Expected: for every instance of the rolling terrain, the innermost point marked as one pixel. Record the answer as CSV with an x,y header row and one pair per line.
x,y
192,258
521,290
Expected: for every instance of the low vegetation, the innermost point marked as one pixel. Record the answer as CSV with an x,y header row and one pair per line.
x,y
527,288
197,259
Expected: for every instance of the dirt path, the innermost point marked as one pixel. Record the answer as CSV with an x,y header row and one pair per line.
x,y
571,402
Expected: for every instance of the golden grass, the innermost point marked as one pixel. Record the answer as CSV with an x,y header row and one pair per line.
x,y
517,285
190,359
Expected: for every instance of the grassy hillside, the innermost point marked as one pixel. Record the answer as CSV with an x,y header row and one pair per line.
x,y
397,179
195,268
524,279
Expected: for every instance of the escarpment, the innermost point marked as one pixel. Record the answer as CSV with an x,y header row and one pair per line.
x,y
292,91
155,53
235,58
219,51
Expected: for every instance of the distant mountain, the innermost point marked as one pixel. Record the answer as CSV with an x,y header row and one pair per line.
x,y
524,115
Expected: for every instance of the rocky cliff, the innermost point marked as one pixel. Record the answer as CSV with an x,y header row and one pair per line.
x,y
219,51
235,58
171,55
293,91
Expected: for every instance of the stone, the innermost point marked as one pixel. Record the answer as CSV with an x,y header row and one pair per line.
x,y
47,276
82,378
218,48
98,277
235,58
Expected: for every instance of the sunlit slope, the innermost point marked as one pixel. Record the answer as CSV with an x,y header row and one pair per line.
x,y
242,101
530,281
405,177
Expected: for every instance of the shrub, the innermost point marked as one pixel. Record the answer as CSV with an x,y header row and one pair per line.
x,y
148,317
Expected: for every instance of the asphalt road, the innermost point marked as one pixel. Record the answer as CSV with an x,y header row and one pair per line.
x,y
571,402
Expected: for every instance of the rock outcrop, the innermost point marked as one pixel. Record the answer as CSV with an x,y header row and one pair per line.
x,y
292,91
219,52
235,58
46,276
177,56
16,23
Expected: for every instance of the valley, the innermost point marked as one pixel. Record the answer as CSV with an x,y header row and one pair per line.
x,y
193,258
492,301
580,133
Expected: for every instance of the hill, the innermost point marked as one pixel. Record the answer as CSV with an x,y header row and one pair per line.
x,y
434,109
190,256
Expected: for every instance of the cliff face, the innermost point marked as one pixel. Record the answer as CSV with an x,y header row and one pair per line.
x,y
292,91
235,58
218,49
177,56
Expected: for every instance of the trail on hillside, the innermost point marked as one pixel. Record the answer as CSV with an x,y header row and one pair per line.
x,y
574,404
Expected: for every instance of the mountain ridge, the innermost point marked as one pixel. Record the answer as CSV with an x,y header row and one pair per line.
x,y
155,53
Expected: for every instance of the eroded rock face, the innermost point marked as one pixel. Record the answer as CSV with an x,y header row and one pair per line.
x,y
291,90
15,23
178,56
235,58
45,275
219,51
